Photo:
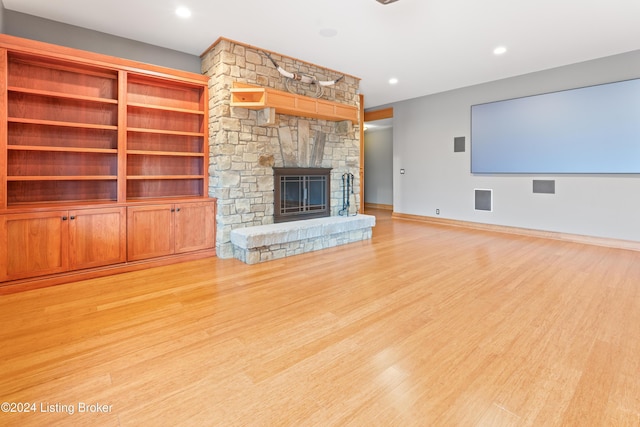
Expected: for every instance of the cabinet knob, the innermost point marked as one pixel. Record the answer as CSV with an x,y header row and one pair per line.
x,y
64,218
72,217
178,210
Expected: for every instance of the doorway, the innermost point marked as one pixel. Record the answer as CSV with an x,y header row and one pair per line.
x,y
378,159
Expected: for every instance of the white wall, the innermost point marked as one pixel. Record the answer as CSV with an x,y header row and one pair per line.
x,y
438,178
378,166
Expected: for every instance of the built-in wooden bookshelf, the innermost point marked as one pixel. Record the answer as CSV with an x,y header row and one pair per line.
x,y
166,143
84,139
62,131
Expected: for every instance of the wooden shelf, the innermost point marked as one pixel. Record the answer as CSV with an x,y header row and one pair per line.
x,y
164,153
258,98
164,108
167,177
132,201
62,149
53,94
61,124
165,132
63,178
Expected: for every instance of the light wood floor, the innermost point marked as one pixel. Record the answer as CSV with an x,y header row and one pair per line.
x,y
422,326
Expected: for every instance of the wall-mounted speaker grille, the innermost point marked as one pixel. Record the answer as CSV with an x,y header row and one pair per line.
x,y
484,200
544,186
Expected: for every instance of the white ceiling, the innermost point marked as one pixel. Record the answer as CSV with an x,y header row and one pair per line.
x,y
430,46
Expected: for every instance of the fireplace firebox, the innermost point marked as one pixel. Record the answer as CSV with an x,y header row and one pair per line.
x,y
301,193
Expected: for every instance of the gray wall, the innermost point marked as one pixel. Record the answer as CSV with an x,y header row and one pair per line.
x,y
35,28
438,178
2,14
378,166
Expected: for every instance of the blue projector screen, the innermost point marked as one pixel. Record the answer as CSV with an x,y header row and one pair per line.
x,y
593,129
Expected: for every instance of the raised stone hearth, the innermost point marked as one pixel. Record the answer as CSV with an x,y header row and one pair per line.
x,y
267,242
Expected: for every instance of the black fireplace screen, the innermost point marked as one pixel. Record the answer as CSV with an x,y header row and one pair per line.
x,y
301,193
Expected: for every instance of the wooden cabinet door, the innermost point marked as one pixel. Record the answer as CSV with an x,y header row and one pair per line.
x,y
150,231
33,244
195,225
97,237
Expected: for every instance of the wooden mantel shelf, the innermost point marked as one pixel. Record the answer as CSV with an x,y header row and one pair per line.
x,y
258,98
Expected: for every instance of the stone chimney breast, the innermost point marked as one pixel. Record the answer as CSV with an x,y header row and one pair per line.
x,y
244,147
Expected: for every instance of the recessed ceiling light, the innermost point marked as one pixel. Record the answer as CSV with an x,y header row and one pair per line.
x,y
499,50
393,81
183,12
328,32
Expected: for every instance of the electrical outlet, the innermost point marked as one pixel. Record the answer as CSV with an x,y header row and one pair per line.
x,y
437,211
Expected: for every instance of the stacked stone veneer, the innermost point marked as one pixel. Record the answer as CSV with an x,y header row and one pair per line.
x,y
243,153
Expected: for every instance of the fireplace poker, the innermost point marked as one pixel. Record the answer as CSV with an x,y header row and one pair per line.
x,y
347,193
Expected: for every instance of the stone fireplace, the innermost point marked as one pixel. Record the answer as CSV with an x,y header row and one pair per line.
x,y
245,152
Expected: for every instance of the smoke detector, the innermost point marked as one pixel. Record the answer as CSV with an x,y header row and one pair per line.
x,y
386,1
